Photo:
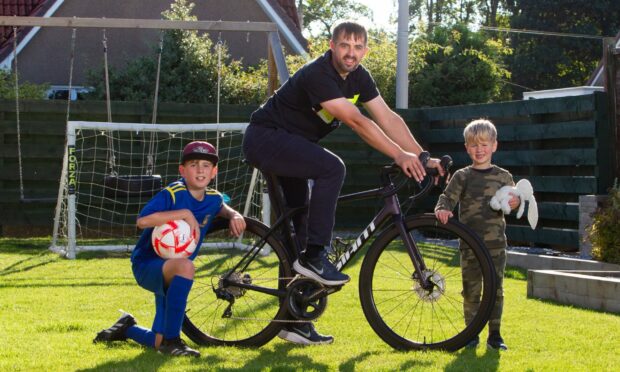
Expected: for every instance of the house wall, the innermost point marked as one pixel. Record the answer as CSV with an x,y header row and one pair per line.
x,y
46,58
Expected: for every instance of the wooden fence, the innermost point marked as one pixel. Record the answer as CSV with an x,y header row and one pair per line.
x,y
564,146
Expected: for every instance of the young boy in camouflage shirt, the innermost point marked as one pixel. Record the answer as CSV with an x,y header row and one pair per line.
x,y
473,187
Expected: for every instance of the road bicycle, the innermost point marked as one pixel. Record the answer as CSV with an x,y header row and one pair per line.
x,y
410,282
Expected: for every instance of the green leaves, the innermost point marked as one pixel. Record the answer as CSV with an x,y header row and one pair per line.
x,y
604,231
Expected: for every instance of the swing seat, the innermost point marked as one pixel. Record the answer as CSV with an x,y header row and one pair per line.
x,y
127,186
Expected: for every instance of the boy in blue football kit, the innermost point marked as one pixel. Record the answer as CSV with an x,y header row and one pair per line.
x,y
171,280
283,135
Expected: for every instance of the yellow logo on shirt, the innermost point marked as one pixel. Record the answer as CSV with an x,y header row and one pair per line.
x,y
327,117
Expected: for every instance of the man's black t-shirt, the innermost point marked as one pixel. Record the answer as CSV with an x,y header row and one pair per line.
x,y
295,106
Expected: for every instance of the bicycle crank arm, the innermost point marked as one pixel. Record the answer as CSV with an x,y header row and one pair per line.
x,y
323,292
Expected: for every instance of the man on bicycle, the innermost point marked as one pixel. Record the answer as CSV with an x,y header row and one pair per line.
x,y
283,136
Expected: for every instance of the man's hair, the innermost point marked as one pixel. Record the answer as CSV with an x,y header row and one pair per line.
x,y
480,130
349,27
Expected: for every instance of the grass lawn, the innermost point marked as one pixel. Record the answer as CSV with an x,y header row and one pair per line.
x,y
51,308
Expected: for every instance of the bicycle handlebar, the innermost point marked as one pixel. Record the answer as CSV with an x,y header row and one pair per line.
x,y
393,169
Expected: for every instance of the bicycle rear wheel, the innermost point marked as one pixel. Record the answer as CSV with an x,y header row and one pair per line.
x,y
407,315
252,318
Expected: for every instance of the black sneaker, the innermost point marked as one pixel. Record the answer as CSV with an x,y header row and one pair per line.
x,y
177,347
320,269
117,331
304,334
473,343
495,341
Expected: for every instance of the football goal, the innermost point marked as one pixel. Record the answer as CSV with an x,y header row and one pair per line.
x,y
111,170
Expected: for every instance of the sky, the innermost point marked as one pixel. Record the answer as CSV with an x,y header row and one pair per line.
x,y
382,10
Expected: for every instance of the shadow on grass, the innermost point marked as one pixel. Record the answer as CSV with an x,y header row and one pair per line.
x,y
349,365
467,360
98,255
71,283
278,359
414,364
33,261
150,360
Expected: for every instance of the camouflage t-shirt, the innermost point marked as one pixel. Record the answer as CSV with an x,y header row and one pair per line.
x,y
473,189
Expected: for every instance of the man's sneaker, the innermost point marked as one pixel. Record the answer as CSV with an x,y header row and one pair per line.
x,y
304,334
473,343
320,269
117,331
495,341
177,347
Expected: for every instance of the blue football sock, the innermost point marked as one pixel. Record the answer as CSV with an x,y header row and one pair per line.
x,y
141,335
176,300
160,314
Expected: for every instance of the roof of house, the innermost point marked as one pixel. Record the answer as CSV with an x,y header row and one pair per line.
x,y
18,8
282,12
288,22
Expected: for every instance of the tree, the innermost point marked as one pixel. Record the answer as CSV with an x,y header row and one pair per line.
x,y
457,66
432,13
547,62
320,15
26,90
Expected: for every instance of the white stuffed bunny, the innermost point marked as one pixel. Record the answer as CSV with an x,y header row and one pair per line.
x,y
525,192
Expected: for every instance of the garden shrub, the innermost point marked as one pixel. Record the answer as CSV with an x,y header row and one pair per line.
x,y
604,232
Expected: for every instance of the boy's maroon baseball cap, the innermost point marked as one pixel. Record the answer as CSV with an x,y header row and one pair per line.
x,y
199,150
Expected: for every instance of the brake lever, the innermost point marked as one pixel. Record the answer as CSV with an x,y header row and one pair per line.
x,y
446,164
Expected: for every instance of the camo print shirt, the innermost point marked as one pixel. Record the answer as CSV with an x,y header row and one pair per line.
x,y
473,189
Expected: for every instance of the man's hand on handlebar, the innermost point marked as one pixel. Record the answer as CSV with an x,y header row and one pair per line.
x,y
411,165
436,163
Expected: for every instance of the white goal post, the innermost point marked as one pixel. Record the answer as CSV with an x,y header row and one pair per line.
x,y
111,170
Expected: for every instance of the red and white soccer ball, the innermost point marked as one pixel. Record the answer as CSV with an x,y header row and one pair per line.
x,y
174,239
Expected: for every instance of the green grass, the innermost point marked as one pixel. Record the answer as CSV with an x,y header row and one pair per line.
x,y
51,308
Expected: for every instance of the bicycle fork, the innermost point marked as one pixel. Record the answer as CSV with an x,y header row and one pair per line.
x,y
421,273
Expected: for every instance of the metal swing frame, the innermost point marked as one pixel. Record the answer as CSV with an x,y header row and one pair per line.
x,y
277,70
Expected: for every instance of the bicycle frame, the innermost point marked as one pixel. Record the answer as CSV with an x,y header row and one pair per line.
x,y
391,208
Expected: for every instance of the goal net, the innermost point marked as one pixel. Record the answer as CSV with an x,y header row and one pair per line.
x,y
111,170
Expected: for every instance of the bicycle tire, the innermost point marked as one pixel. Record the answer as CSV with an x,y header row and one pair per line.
x,y
254,316
405,315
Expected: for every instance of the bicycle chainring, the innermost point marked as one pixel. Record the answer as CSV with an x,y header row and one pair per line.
x,y
306,299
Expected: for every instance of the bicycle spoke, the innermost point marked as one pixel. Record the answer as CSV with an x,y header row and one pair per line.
x,y
221,311
425,309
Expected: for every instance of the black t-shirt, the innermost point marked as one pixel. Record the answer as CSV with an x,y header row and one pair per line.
x,y
296,105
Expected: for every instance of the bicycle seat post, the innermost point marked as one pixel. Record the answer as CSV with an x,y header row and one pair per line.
x,y
283,213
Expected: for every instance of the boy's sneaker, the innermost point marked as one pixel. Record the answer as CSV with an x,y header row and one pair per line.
x,y
473,343
177,347
495,341
304,334
320,269
117,331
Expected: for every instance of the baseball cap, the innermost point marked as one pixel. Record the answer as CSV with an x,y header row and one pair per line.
x,y
199,150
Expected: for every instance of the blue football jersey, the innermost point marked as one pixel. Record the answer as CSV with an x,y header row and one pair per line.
x,y
176,196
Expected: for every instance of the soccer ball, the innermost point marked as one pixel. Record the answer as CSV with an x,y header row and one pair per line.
x,y
174,239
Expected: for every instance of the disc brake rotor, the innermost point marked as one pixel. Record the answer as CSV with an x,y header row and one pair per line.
x,y
437,287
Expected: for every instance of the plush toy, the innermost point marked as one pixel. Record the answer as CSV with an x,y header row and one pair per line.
x,y
525,192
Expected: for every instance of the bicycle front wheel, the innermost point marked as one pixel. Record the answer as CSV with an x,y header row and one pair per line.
x,y
218,312
411,310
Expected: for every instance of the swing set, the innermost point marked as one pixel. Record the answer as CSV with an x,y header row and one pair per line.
x,y
117,185
148,183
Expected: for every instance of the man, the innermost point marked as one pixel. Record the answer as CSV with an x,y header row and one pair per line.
x,y
282,139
